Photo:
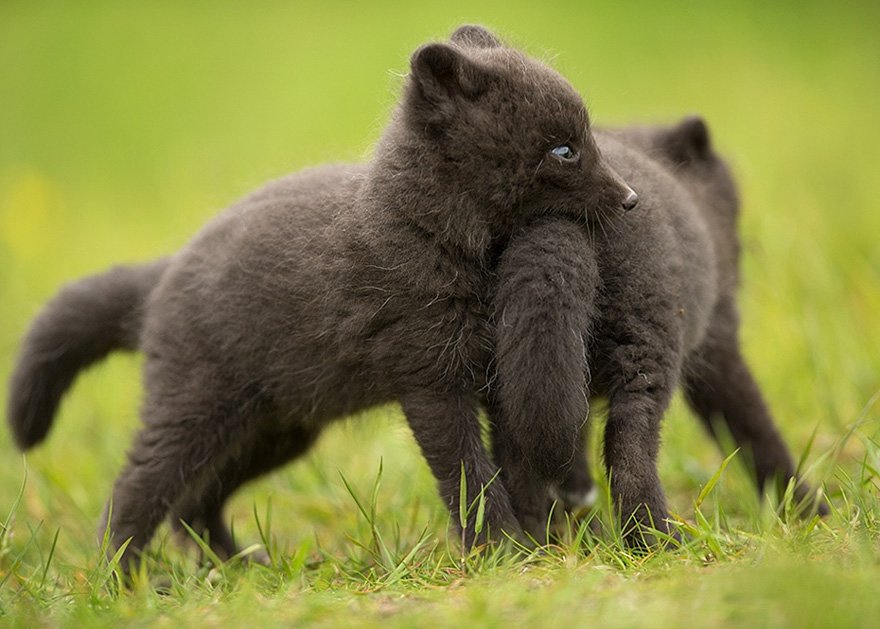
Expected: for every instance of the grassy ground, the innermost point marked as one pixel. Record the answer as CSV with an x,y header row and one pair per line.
x,y
123,129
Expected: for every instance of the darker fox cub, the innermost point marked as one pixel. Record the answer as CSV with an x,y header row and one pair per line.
x,y
329,291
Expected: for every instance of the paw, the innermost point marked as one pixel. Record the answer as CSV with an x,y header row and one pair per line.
x,y
810,502
258,556
576,502
650,530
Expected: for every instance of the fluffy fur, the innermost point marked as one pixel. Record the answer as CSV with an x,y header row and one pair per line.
x,y
629,311
330,291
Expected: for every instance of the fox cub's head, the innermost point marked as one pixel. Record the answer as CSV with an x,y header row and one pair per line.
x,y
500,136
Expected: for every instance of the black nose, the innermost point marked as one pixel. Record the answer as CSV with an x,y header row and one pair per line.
x,y
631,200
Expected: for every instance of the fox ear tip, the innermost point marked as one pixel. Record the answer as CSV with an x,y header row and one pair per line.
x,y
689,140
696,131
434,58
475,36
443,70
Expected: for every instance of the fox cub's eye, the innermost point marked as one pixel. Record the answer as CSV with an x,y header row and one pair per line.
x,y
564,153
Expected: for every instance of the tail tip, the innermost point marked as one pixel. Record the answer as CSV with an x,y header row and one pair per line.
x,y
27,423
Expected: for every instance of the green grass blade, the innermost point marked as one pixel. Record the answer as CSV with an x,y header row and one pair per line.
x,y
710,484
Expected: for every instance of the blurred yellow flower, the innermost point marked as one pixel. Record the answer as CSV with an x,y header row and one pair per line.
x,y
31,214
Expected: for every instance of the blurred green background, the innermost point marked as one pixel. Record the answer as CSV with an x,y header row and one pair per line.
x,y
124,127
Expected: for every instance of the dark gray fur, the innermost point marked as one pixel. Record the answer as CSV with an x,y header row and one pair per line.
x,y
81,325
629,310
331,291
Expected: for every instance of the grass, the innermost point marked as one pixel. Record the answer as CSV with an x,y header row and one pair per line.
x,y
123,128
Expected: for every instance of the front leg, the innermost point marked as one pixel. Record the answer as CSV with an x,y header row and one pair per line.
x,y
447,429
632,438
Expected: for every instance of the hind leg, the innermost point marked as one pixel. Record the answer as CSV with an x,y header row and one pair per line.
x,y
190,427
720,387
202,510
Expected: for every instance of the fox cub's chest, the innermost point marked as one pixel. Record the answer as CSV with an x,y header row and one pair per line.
x,y
445,340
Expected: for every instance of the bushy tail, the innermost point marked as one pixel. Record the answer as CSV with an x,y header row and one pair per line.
x,y
83,323
547,279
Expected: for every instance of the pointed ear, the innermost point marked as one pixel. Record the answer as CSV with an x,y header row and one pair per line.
x,y
475,37
689,140
442,71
